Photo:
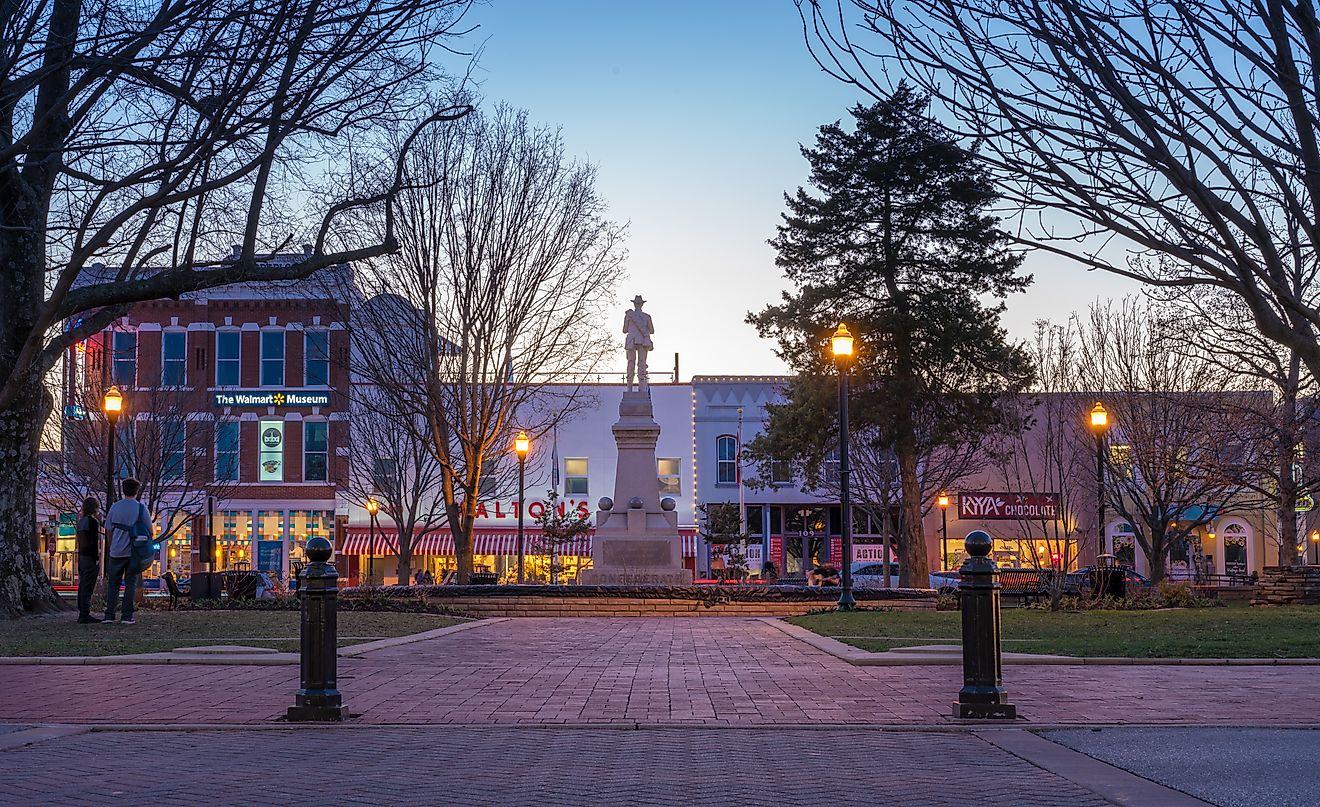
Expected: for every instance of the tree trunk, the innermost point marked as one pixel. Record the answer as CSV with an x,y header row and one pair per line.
x,y
1158,557
24,587
914,569
405,560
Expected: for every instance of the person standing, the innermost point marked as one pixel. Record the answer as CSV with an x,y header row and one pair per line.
x,y
88,542
124,517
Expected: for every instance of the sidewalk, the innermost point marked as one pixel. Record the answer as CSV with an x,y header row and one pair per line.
x,y
655,672
502,766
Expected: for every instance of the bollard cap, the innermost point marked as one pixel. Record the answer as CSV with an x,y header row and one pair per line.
x,y
318,549
978,543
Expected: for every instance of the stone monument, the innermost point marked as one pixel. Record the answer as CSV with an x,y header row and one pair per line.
x,y
637,541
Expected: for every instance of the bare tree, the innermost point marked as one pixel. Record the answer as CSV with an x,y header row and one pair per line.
x,y
1180,138
1182,447
506,265
147,136
1217,326
389,464
1052,454
155,444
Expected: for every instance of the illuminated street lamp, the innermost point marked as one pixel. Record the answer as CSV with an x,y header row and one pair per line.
x,y
521,446
842,346
1315,542
113,405
941,501
1099,425
372,508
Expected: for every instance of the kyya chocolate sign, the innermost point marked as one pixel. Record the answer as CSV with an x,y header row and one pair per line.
x,y
1009,506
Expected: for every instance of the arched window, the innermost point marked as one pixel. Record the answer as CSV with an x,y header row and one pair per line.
x,y
726,460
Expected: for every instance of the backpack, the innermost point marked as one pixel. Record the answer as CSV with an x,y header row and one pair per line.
x,y
142,548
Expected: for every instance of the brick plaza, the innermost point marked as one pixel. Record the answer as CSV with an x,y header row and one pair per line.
x,y
654,672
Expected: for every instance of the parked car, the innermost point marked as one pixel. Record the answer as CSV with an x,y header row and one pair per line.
x,y
871,574
945,582
1079,582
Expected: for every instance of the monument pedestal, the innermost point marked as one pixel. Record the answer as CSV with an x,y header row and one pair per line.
x,y
637,541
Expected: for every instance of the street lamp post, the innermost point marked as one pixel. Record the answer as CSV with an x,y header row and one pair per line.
x,y
842,345
522,445
1099,425
1315,543
372,508
112,404
943,502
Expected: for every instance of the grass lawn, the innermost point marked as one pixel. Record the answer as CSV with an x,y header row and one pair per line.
x,y
1237,631
162,631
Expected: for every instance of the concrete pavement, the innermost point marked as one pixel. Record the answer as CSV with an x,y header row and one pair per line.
x,y
503,766
650,711
665,671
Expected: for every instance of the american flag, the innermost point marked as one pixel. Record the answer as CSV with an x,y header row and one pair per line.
x,y
554,460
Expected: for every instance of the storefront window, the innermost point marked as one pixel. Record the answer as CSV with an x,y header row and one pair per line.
x,y
272,358
226,451
315,451
726,460
575,477
271,445
316,347
173,358
228,347
669,469
124,345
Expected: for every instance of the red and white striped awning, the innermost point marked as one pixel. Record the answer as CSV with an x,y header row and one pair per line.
x,y
486,542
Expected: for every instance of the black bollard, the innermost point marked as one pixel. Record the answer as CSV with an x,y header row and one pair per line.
x,y
982,695
318,699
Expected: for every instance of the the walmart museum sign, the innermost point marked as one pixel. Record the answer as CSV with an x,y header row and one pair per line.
x,y
271,398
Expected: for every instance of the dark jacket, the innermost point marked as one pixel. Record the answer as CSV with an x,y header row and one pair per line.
x,y
89,537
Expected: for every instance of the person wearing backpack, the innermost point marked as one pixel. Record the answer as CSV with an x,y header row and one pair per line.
x,y
89,557
127,522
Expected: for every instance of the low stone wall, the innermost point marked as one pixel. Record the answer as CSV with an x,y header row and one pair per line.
x,y
628,606
598,601
1288,586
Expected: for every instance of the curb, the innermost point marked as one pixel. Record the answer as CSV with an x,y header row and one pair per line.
x,y
255,660
182,656
865,658
1110,782
949,726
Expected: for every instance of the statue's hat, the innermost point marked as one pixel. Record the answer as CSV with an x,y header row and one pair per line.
x,y
638,299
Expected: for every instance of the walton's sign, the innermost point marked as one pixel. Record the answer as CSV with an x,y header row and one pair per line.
x,y
1009,506
272,398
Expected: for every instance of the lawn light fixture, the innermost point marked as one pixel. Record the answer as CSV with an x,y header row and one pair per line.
x,y
522,445
113,406
942,501
1099,425
372,508
1099,418
113,403
842,343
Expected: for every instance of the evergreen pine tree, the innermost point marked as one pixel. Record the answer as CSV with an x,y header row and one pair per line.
x,y
893,238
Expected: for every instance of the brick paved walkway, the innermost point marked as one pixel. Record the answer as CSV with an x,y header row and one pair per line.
x,y
498,766
732,672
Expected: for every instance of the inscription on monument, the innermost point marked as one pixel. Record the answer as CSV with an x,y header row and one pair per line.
x,y
636,552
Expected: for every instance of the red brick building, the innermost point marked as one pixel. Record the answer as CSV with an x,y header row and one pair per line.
x,y
236,396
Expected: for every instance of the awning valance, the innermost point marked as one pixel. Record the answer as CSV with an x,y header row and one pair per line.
x,y
485,542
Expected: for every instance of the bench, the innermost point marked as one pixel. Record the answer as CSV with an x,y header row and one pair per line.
x,y
1026,584
172,588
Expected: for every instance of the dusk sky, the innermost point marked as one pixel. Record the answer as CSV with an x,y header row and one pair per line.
x,y
693,111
